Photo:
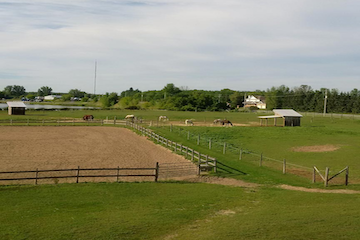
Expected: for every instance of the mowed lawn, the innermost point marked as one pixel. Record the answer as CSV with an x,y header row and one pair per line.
x,y
174,211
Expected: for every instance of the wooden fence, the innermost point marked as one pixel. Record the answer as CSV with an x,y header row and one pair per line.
x,y
326,178
60,122
204,162
76,173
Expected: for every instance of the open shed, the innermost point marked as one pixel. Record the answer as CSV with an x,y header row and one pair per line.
x,y
16,108
290,117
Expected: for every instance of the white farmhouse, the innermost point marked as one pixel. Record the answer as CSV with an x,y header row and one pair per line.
x,y
255,101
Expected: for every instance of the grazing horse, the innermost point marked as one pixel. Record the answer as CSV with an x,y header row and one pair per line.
x,y
189,122
163,118
131,117
226,122
216,121
88,117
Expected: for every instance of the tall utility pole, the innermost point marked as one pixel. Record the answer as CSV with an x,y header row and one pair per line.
x,y
244,99
95,78
325,100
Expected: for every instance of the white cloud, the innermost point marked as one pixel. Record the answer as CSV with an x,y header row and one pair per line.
x,y
243,45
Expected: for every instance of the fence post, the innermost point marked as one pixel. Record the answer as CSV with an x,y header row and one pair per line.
x,y
11,122
181,147
171,127
175,146
77,174
240,156
73,123
36,176
215,165
314,175
209,143
261,158
284,166
187,152
224,150
43,121
114,120
156,171
28,122
198,140
117,175
347,176
326,177
58,122
199,162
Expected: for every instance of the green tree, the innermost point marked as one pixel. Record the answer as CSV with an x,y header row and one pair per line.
x,y
237,99
44,91
14,91
76,93
170,89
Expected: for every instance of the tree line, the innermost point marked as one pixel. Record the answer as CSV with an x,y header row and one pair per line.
x,y
302,98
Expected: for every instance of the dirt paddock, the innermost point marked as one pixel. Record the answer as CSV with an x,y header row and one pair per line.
x,y
31,147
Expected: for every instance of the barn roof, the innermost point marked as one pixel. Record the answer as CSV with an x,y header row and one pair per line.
x,y
283,113
16,104
286,113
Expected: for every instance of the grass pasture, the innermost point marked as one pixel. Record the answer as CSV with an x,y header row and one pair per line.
x,y
274,142
186,210
174,211
341,135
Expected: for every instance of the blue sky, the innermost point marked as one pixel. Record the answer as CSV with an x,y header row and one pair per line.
x,y
198,44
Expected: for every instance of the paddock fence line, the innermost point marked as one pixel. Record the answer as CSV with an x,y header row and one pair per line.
x,y
332,115
61,122
257,158
78,173
204,162
326,178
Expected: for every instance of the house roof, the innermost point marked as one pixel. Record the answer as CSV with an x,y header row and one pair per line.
x,y
286,113
16,104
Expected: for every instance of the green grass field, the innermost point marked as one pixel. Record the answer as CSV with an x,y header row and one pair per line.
x,y
174,211
279,143
179,210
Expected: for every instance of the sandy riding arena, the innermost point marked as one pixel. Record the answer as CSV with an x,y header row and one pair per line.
x,y
28,148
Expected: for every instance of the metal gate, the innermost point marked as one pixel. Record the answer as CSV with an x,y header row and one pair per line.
x,y
177,170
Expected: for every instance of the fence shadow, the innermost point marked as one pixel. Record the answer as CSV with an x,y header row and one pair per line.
x,y
229,169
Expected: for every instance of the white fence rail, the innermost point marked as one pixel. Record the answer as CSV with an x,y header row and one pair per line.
x,y
204,162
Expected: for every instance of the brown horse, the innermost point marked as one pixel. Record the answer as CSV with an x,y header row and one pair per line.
x,y
88,117
225,122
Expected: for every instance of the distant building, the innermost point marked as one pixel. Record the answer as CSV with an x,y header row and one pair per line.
x,y
16,108
51,97
290,117
255,101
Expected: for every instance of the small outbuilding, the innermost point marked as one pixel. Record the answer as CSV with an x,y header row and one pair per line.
x,y
290,117
16,108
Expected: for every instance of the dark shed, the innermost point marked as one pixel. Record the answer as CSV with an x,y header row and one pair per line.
x,y
16,108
